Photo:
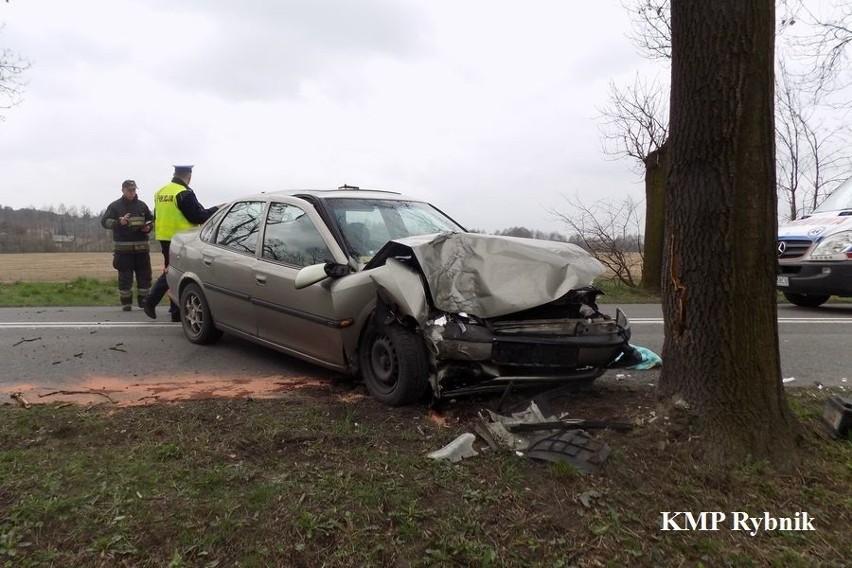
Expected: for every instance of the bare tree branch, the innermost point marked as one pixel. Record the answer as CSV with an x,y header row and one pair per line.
x,y
810,154
827,42
652,28
635,120
610,231
12,67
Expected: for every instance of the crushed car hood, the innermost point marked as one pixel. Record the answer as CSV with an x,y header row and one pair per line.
x,y
490,276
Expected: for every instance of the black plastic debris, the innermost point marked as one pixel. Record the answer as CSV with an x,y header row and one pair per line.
x,y
574,447
837,415
532,434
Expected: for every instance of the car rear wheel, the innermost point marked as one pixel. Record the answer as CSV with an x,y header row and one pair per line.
x,y
196,318
806,300
394,364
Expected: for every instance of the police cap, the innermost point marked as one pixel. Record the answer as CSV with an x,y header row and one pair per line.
x,y
183,169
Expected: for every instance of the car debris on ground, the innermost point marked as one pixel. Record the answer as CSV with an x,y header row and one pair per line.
x,y
532,434
837,416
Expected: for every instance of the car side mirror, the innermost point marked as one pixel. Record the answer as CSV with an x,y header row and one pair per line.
x,y
314,273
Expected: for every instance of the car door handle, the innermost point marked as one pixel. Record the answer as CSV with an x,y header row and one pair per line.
x,y
260,279
207,260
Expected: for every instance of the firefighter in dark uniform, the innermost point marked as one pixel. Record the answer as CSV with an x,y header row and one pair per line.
x,y
176,208
130,220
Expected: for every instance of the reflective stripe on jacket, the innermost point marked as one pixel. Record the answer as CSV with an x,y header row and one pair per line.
x,y
130,246
170,220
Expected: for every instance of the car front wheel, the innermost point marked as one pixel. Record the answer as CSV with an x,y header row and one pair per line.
x,y
806,300
196,318
394,364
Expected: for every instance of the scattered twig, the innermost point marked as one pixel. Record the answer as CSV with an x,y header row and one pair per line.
x,y
21,400
112,400
117,347
25,340
570,425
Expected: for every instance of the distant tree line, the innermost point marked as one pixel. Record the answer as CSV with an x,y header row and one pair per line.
x,y
586,239
78,229
62,229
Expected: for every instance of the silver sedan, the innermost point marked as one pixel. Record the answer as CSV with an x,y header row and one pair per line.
x,y
390,288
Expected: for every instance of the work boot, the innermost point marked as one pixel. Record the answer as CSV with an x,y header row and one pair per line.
x,y
126,307
141,293
175,318
149,310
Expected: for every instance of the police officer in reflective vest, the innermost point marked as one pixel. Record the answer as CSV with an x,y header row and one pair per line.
x,y
175,209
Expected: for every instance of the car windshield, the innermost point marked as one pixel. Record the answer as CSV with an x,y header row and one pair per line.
x,y
840,199
367,224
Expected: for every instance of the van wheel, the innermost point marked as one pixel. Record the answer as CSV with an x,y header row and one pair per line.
x,y
196,318
806,300
394,364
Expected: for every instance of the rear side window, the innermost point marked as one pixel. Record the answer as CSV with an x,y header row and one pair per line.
x,y
240,226
291,237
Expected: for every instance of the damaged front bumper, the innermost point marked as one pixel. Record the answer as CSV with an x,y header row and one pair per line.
x,y
471,355
497,311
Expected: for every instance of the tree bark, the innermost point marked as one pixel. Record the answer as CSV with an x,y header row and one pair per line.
x,y
656,174
721,346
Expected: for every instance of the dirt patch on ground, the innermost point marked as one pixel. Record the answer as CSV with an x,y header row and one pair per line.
x,y
55,266
96,390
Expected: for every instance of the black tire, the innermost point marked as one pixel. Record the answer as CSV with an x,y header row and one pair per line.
x,y
195,316
806,300
394,364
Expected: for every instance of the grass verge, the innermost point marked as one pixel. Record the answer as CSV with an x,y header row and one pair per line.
x,y
332,479
78,292
104,292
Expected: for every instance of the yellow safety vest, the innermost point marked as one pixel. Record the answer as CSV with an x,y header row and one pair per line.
x,y
169,218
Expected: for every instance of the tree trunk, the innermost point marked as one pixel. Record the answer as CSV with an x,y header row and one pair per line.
x,y
656,174
721,343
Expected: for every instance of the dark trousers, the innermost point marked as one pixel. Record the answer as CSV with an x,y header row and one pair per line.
x,y
130,264
161,286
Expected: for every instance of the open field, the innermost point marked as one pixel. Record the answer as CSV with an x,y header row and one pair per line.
x,y
66,266
57,266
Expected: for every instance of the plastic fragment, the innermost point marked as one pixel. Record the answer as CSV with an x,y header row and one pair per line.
x,y
457,450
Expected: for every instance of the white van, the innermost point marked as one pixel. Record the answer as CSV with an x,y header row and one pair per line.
x,y
815,252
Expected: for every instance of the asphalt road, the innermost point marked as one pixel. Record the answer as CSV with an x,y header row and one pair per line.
x,y
133,358
815,344
45,349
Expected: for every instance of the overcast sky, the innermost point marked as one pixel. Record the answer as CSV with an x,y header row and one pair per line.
x,y
487,108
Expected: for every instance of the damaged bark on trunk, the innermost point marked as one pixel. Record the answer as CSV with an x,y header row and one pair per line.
x,y
719,301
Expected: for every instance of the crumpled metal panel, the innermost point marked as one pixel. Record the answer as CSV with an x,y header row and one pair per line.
x,y
404,285
494,428
532,434
490,276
